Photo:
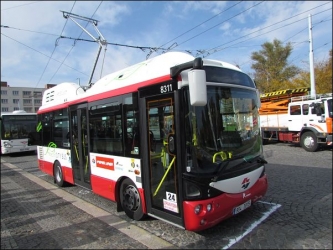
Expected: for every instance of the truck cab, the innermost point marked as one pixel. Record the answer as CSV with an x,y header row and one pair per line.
x,y
294,118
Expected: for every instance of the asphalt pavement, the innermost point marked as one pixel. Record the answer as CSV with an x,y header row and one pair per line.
x,y
296,212
36,214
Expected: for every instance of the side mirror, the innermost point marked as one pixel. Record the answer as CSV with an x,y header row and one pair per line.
x,y
197,86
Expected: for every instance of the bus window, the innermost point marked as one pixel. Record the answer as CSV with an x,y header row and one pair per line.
x,y
61,128
106,121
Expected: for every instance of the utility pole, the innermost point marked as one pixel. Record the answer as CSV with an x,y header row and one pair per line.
x,y
312,77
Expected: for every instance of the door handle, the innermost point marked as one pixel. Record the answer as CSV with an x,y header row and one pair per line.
x,y
311,120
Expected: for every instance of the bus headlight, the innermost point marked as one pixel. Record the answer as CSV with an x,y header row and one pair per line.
x,y
209,207
6,144
197,209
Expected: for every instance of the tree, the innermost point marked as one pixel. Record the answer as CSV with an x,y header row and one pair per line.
x,y
322,74
272,71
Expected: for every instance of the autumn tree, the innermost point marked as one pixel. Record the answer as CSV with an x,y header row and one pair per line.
x,y
272,71
322,74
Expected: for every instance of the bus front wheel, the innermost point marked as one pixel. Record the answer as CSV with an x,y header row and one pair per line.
x,y
130,200
58,176
309,142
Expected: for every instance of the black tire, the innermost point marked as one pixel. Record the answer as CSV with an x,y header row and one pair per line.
x,y
130,200
309,142
58,175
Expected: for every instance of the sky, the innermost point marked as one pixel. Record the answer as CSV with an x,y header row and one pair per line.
x,y
49,42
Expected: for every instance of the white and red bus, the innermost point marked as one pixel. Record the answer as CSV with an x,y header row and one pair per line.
x,y
18,132
174,137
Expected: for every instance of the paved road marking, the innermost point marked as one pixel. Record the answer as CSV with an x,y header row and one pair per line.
x,y
137,233
254,224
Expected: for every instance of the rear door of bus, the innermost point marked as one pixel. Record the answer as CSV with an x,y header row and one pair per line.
x,y
79,145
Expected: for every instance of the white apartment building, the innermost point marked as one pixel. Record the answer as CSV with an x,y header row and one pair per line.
x,y
21,98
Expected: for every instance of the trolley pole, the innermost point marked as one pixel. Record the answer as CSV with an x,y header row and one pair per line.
x,y
100,39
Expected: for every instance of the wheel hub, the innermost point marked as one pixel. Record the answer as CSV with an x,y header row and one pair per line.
x,y
308,142
131,198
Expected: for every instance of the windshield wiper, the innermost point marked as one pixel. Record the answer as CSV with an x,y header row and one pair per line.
x,y
243,158
222,166
250,158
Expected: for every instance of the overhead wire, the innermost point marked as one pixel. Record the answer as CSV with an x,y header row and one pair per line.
x,y
231,46
43,33
19,6
223,48
76,39
220,23
55,47
42,53
313,25
302,55
200,24
274,30
143,48
215,49
57,44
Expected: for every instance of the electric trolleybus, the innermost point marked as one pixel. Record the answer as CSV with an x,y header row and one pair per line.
x,y
174,137
18,132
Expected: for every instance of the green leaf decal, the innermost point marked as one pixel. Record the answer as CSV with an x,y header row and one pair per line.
x,y
39,127
52,145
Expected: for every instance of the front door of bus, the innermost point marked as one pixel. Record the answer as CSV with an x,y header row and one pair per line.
x,y
79,145
161,189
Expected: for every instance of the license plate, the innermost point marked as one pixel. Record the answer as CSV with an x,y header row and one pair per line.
x,y
24,149
240,208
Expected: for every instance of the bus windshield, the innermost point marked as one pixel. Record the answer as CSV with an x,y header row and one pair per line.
x,y
17,126
224,133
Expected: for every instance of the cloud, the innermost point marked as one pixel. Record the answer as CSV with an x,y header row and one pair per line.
x,y
35,27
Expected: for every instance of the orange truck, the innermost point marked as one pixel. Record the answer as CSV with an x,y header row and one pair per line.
x,y
294,116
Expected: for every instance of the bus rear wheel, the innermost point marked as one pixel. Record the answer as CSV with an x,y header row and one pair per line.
x,y
130,200
309,142
58,176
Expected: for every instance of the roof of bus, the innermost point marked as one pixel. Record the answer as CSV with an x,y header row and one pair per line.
x,y
128,79
150,69
155,67
17,112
